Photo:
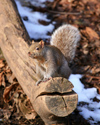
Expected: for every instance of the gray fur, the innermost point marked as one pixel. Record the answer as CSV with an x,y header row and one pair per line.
x,y
66,38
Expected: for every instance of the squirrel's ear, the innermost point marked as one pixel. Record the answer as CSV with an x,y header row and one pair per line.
x,y
33,42
41,43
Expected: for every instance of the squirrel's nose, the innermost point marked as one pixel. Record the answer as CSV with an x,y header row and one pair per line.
x,y
29,53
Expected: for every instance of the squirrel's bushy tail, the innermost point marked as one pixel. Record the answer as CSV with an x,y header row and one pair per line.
x,y
66,38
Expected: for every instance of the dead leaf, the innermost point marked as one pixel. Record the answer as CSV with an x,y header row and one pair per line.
x,y
7,91
11,78
1,78
95,69
63,2
3,81
31,115
26,108
43,22
55,3
1,63
92,34
8,70
66,4
6,114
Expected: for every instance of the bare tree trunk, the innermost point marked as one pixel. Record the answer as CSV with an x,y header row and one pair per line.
x,y
52,100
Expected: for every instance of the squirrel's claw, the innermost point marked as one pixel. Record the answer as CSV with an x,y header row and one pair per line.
x,y
44,80
38,82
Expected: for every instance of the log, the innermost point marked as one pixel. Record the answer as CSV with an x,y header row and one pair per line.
x,y
52,100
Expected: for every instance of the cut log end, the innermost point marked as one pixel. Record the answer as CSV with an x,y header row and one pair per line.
x,y
52,99
56,97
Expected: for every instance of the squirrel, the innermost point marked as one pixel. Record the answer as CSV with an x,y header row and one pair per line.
x,y
52,60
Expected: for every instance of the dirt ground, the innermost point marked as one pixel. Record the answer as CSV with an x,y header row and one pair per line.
x,y
83,14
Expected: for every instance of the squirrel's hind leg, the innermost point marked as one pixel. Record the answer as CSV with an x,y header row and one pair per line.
x,y
65,70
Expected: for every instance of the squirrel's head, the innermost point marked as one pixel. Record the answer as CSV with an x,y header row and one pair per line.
x,y
36,49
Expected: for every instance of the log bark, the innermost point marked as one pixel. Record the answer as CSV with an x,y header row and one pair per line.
x,y
52,100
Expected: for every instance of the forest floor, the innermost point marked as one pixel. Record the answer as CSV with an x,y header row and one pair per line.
x,y
83,14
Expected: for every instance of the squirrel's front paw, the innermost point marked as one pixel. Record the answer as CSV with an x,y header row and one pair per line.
x,y
46,79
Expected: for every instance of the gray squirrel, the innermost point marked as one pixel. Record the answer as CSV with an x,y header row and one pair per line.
x,y
52,60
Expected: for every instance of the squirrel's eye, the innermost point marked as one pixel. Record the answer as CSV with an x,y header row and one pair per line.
x,y
37,48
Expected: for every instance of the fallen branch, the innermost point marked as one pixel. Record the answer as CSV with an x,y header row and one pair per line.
x,y
52,100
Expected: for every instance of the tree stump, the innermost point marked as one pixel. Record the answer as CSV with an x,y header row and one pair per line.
x,y
52,100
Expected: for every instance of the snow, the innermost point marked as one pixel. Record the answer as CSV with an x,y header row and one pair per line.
x,y
34,28
90,109
38,3
83,94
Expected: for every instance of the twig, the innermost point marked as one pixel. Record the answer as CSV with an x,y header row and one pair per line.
x,y
63,13
93,77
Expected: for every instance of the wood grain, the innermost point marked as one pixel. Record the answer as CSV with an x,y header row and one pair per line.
x,y
52,100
